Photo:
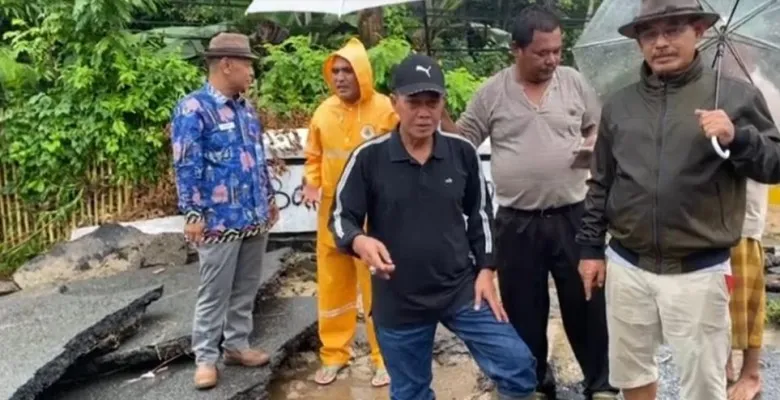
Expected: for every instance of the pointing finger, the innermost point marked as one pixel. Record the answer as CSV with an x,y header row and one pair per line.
x,y
498,309
375,260
504,316
495,307
385,254
588,285
601,277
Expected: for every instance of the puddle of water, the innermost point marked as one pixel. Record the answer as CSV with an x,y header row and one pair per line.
x,y
456,382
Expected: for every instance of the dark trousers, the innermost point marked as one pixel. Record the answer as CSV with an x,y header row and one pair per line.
x,y
529,246
495,346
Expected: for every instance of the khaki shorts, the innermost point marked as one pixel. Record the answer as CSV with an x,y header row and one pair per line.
x,y
689,312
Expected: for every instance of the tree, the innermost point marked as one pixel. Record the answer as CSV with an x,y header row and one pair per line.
x,y
371,26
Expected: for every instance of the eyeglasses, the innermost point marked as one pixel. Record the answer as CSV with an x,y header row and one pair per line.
x,y
670,32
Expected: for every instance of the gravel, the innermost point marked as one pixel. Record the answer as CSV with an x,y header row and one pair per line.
x,y
669,383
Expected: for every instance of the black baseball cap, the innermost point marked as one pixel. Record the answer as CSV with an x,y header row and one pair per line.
x,y
418,73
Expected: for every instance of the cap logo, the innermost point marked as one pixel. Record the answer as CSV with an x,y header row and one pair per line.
x,y
427,71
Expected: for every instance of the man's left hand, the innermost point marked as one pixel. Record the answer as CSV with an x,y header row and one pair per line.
x,y
485,290
716,123
273,214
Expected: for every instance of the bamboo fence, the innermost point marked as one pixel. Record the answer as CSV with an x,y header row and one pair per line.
x,y
103,203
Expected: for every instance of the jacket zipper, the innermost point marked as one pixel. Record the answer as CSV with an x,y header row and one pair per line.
x,y
656,209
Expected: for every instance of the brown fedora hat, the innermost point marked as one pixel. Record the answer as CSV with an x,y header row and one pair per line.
x,y
233,45
653,10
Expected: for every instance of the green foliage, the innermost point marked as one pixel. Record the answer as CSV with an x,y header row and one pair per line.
x,y
12,257
399,20
99,94
292,80
478,63
461,86
773,312
384,56
188,41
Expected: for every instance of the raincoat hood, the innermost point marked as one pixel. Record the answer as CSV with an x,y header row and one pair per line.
x,y
356,54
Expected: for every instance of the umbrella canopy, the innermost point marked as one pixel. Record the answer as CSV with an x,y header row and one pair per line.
x,y
752,38
338,7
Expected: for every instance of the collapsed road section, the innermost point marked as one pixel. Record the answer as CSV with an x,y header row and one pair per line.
x,y
46,330
281,324
164,331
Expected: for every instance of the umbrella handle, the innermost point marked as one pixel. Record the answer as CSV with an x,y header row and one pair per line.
x,y
724,154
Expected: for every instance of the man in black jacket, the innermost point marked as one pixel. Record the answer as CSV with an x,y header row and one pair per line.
x,y
673,206
428,242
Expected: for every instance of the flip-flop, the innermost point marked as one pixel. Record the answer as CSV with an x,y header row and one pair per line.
x,y
604,396
381,378
327,374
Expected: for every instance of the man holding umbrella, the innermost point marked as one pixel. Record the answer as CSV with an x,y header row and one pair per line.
x,y
673,206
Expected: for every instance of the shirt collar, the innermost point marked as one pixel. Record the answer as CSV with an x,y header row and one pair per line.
x,y
220,98
399,153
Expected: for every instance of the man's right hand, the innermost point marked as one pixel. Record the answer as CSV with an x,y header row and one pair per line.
x,y
193,232
593,273
375,254
311,196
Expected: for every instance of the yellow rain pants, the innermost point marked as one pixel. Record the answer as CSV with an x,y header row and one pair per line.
x,y
338,278
336,129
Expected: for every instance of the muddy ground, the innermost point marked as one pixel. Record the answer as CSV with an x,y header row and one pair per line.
x,y
455,374
456,377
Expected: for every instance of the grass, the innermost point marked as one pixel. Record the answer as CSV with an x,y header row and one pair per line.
x,y
11,258
773,312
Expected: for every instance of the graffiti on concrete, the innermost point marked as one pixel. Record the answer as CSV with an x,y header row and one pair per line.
x,y
286,197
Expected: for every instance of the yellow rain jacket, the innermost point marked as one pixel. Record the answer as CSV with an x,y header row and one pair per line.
x,y
336,129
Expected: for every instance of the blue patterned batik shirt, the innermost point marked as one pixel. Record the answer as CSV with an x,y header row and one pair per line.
x,y
220,165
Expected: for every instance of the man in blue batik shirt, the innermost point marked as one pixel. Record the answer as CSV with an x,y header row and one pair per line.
x,y
226,197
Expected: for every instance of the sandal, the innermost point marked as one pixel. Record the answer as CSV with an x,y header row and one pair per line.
x,y
327,374
381,378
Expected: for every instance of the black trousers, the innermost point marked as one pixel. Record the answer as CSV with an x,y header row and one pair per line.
x,y
529,246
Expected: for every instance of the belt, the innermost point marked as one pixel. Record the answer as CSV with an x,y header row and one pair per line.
x,y
697,260
541,212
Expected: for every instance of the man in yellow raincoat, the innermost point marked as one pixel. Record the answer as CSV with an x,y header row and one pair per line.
x,y
354,112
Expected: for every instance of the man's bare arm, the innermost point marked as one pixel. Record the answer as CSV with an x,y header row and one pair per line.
x,y
473,123
447,124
